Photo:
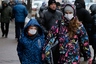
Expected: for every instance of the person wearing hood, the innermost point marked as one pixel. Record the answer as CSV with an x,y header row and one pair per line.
x,y
5,18
50,16
42,8
31,43
83,15
72,36
19,13
93,29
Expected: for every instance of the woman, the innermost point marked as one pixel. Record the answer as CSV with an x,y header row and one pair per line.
x,y
72,37
31,43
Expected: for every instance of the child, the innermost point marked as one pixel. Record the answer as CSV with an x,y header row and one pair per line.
x,y
30,43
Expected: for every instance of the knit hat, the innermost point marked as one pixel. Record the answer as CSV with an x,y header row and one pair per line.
x,y
43,4
57,4
69,8
51,1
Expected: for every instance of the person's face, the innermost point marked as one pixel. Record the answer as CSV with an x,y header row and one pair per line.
x,y
22,0
53,6
5,4
45,5
33,28
68,12
10,0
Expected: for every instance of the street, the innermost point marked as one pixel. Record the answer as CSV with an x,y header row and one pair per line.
x,y
8,53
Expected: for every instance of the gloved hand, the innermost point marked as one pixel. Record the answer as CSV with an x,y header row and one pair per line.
x,y
43,56
90,61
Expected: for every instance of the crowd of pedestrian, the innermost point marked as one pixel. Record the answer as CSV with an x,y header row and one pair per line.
x,y
61,35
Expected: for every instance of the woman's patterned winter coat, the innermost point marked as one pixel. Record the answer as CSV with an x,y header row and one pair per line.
x,y
69,48
30,51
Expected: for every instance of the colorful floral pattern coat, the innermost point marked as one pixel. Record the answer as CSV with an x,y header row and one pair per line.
x,y
69,48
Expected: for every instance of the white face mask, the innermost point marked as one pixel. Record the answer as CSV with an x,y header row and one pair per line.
x,y
32,32
69,16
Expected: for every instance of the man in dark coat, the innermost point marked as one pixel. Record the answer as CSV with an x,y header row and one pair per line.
x,y
83,16
50,16
6,13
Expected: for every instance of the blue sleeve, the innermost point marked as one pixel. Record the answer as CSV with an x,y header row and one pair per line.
x,y
26,13
20,49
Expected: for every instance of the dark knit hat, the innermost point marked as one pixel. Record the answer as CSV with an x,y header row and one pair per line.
x,y
57,3
51,1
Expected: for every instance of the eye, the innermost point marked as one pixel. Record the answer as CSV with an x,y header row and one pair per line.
x,y
66,13
33,28
70,12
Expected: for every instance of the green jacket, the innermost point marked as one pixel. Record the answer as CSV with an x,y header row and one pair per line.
x,y
6,14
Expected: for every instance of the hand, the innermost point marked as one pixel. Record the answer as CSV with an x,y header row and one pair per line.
x,y
90,61
43,56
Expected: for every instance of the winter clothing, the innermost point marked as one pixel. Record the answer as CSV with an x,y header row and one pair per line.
x,y
29,48
83,16
11,4
69,8
20,13
93,29
50,16
58,4
69,47
43,4
42,8
51,1
5,18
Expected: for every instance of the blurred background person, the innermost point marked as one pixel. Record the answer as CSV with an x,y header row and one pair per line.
x,y
50,16
58,6
6,14
23,3
20,13
11,4
42,8
93,29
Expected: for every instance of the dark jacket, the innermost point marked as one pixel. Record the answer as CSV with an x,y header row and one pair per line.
x,y
93,14
42,8
30,50
93,30
6,13
20,12
49,19
82,14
